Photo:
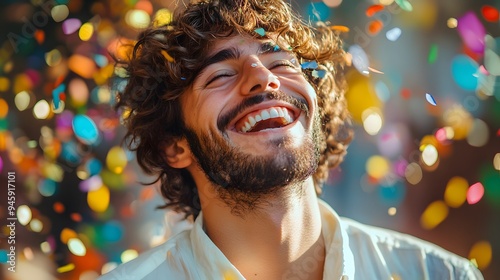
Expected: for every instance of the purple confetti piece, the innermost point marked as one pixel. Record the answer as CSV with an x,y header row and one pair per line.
x,y
71,25
472,32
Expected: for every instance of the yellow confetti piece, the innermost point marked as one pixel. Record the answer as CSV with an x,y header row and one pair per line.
x,y
116,160
4,84
98,200
162,17
66,268
456,192
482,253
167,56
434,214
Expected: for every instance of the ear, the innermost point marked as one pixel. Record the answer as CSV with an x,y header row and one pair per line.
x,y
178,154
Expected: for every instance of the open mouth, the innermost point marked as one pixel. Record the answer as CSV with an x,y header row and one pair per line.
x,y
264,119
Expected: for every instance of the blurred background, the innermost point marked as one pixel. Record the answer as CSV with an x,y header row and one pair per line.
x,y
424,96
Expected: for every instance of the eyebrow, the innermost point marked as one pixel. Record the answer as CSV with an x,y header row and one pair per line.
x,y
234,53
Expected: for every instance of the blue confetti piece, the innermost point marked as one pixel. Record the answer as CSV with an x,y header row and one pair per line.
x,y
309,65
276,48
85,129
319,73
260,31
430,99
55,95
100,60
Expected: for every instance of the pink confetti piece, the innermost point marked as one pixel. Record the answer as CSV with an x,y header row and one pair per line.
x,y
71,25
475,193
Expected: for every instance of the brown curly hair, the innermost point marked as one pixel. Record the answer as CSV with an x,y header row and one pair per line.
x,y
166,59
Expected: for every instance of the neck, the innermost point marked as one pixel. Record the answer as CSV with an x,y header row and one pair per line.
x,y
275,241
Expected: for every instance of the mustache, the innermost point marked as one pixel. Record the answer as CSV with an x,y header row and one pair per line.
x,y
299,102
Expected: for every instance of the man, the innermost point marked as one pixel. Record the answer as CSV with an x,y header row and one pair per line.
x,y
238,107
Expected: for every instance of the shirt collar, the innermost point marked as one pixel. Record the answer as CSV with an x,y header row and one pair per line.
x,y
339,261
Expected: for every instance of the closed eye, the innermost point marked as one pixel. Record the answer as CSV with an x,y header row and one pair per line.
x,y
218,77
284,63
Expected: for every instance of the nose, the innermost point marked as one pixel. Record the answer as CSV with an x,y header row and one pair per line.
x,y
258,79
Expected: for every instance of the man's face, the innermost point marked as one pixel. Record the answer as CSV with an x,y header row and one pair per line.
x,y
251,118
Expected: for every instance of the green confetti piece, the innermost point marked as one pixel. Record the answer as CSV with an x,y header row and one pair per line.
x,y
433,53
405,5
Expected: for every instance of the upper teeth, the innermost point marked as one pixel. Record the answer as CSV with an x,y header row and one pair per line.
x,y
274,112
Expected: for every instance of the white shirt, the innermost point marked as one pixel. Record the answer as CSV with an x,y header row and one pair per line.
x,y
353,251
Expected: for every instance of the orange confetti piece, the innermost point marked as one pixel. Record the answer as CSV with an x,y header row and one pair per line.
x,y
167,56
373,9
147,193
76,217
39,36
375,26
490,13
58,207
406,93
82,65
340,28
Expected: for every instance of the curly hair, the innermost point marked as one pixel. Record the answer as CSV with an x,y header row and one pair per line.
x,y
166,59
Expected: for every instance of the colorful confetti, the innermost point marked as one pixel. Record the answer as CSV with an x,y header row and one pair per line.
x,y
430,99
472,32
475,193
260,31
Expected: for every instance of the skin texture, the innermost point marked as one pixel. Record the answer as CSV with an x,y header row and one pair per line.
x,y
272,236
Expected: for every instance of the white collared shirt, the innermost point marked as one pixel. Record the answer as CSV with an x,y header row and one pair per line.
x,y
353,252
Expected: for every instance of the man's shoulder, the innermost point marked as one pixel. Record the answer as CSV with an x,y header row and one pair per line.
x,y
398,249
152,263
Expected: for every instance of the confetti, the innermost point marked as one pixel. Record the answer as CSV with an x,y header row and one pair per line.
x,y
116,159
430,99
373,9
332,3
482,253
434,214
490,13
309,65
167,56
77,247
464,71
85,129
359,59
56,94
340,28
472,32
66,268
98,200
475,193
433,53
375,26
404,5
393,34
59,12
39,36
318,73
71,25
260,31
455,193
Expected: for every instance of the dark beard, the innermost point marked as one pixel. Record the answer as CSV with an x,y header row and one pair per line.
x,y
242,179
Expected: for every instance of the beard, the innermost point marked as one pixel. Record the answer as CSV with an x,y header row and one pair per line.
x,y
241,179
